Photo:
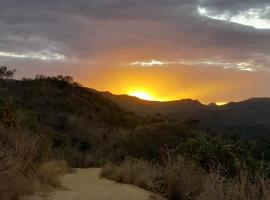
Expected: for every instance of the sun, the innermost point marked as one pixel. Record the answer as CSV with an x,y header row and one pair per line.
x,y
221,103
142,95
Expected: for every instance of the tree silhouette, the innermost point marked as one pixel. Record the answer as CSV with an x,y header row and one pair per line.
x,y
6,73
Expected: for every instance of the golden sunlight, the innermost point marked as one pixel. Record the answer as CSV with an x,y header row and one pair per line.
x,y
142,95
221,103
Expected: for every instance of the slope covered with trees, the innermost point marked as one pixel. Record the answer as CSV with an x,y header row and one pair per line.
x,y
74,119
86,129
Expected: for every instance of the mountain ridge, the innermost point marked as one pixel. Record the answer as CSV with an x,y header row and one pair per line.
x,y
247,117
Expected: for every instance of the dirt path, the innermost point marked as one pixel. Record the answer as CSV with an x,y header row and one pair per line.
x,y
85,184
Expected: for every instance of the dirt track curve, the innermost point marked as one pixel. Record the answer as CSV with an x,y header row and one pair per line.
x,y
85,184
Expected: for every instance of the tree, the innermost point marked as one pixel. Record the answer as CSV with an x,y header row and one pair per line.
x,y
6,73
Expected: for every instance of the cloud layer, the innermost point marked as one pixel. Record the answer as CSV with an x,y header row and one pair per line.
x,y
85,28
227,35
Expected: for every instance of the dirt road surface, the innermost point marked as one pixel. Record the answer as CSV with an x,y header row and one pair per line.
x,y
85,184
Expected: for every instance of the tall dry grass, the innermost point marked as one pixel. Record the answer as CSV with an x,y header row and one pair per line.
x,y
242,187
17,154
136,172
181,179
49,173
184,179
22,171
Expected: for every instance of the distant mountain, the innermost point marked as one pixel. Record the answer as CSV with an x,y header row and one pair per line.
x,y
143,107
249,118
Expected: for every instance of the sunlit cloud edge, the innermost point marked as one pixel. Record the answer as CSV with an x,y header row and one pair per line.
x,y
249,66
44,55
251,17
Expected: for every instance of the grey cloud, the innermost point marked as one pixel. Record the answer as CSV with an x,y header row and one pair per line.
x,y
86,29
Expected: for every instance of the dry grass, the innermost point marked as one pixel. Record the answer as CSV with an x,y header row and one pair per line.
x,y
17,155
213,186
21,169
184,180
136,172
216,187
176,181
50,172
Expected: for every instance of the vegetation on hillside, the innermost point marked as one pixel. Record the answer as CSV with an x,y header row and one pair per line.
x,y
60,120
74,120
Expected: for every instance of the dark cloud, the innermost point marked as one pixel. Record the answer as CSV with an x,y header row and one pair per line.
x,y
173,29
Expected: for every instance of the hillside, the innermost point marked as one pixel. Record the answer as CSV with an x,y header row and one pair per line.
x,y
249,118
158,149
74,119
58,98
143,107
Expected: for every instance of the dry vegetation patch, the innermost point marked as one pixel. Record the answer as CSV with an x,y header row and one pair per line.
x,y
21,169
136,172
50,172
17,154
185,180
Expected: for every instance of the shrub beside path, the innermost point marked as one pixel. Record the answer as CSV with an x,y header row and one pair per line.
x,y
85,184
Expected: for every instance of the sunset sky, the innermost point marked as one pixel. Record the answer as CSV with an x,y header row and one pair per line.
x,y
210,50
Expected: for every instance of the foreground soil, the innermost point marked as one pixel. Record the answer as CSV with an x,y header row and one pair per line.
x,y
85,184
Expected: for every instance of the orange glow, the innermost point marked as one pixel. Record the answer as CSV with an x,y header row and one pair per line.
x,y
142,95
156,84
169,82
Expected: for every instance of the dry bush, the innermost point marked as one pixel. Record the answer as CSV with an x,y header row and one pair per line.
x,y
21,168
213,186
179,180
107,170
183,179
17,155
242,187
136,172
50,172
245,187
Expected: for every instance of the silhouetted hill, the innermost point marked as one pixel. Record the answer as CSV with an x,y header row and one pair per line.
x,y
142,107
74,119
62,105
55,99
249,117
